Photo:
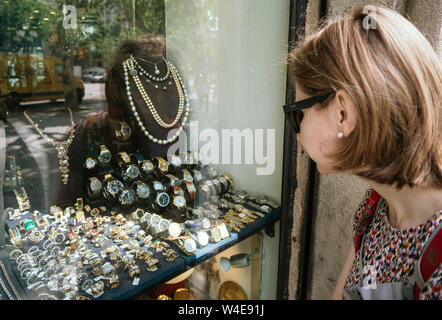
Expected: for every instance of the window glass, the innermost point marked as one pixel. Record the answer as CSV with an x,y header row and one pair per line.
x,y
141,138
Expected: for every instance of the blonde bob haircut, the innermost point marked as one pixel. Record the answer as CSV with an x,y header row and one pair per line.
x,y
394,77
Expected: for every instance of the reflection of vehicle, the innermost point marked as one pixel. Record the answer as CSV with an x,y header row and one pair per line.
x,y
28,77
94,75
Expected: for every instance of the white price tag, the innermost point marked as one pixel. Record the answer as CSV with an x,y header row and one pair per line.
x,y
136,281
103,255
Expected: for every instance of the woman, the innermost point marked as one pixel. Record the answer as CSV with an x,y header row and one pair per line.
x,y
368,89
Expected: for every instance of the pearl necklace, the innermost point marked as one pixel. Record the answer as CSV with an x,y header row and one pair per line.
x,y
182,94
61,146
157,71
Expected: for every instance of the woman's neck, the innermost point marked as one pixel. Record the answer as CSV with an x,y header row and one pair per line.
x,y
409,207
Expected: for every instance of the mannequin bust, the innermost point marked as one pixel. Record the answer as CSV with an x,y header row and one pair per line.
x,y
100,128
148,52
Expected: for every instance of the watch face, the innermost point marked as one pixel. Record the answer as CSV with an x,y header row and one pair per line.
x,y
163,166
176,161
154,220
132,172
187,176
216,234
95,185
206,223
212,171
115,186
191,187
163,225
158,185
127,197
203,238
90,163
105,156
179,201
266,208
143,191
174,229
163,199
197,175
147,166
223,231
190,245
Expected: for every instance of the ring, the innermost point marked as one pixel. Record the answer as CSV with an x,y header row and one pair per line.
x,y
55,251
25,273
32,249
15,254
48,273
86,284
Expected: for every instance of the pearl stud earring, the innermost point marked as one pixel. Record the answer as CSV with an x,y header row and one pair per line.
x,y
340,135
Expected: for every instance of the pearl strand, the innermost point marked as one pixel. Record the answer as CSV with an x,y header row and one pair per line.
x,y
142,71
137,117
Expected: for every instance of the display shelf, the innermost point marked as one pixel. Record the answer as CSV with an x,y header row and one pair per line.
x,y
168,270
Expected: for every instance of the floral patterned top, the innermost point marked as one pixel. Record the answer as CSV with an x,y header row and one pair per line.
x,y
389,253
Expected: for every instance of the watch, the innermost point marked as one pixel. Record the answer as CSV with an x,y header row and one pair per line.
x,y
127,197
186,176
179,202
105,156
229,179
211,185
160,198
217,185
224,183
209,171
173,180
190,245
198,178
122,131
146,167
129,171
204,193
175,230
163,225
154,220
112,187
175,162
215,234
162,165
202,238
141,189
191,190
90,163
94,187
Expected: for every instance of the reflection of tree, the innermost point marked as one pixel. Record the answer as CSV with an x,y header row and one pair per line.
x,y
36,27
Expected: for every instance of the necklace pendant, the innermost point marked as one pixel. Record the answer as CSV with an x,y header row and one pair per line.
x,y
157,71
133,72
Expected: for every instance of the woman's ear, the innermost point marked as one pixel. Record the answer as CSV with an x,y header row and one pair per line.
x,y
345,112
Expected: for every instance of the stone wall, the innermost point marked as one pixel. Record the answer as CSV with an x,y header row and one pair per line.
x,y
337,196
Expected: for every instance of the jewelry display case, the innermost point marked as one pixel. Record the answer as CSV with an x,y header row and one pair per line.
x,y
111,194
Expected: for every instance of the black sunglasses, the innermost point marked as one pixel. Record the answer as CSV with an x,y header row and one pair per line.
x,y
293,110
